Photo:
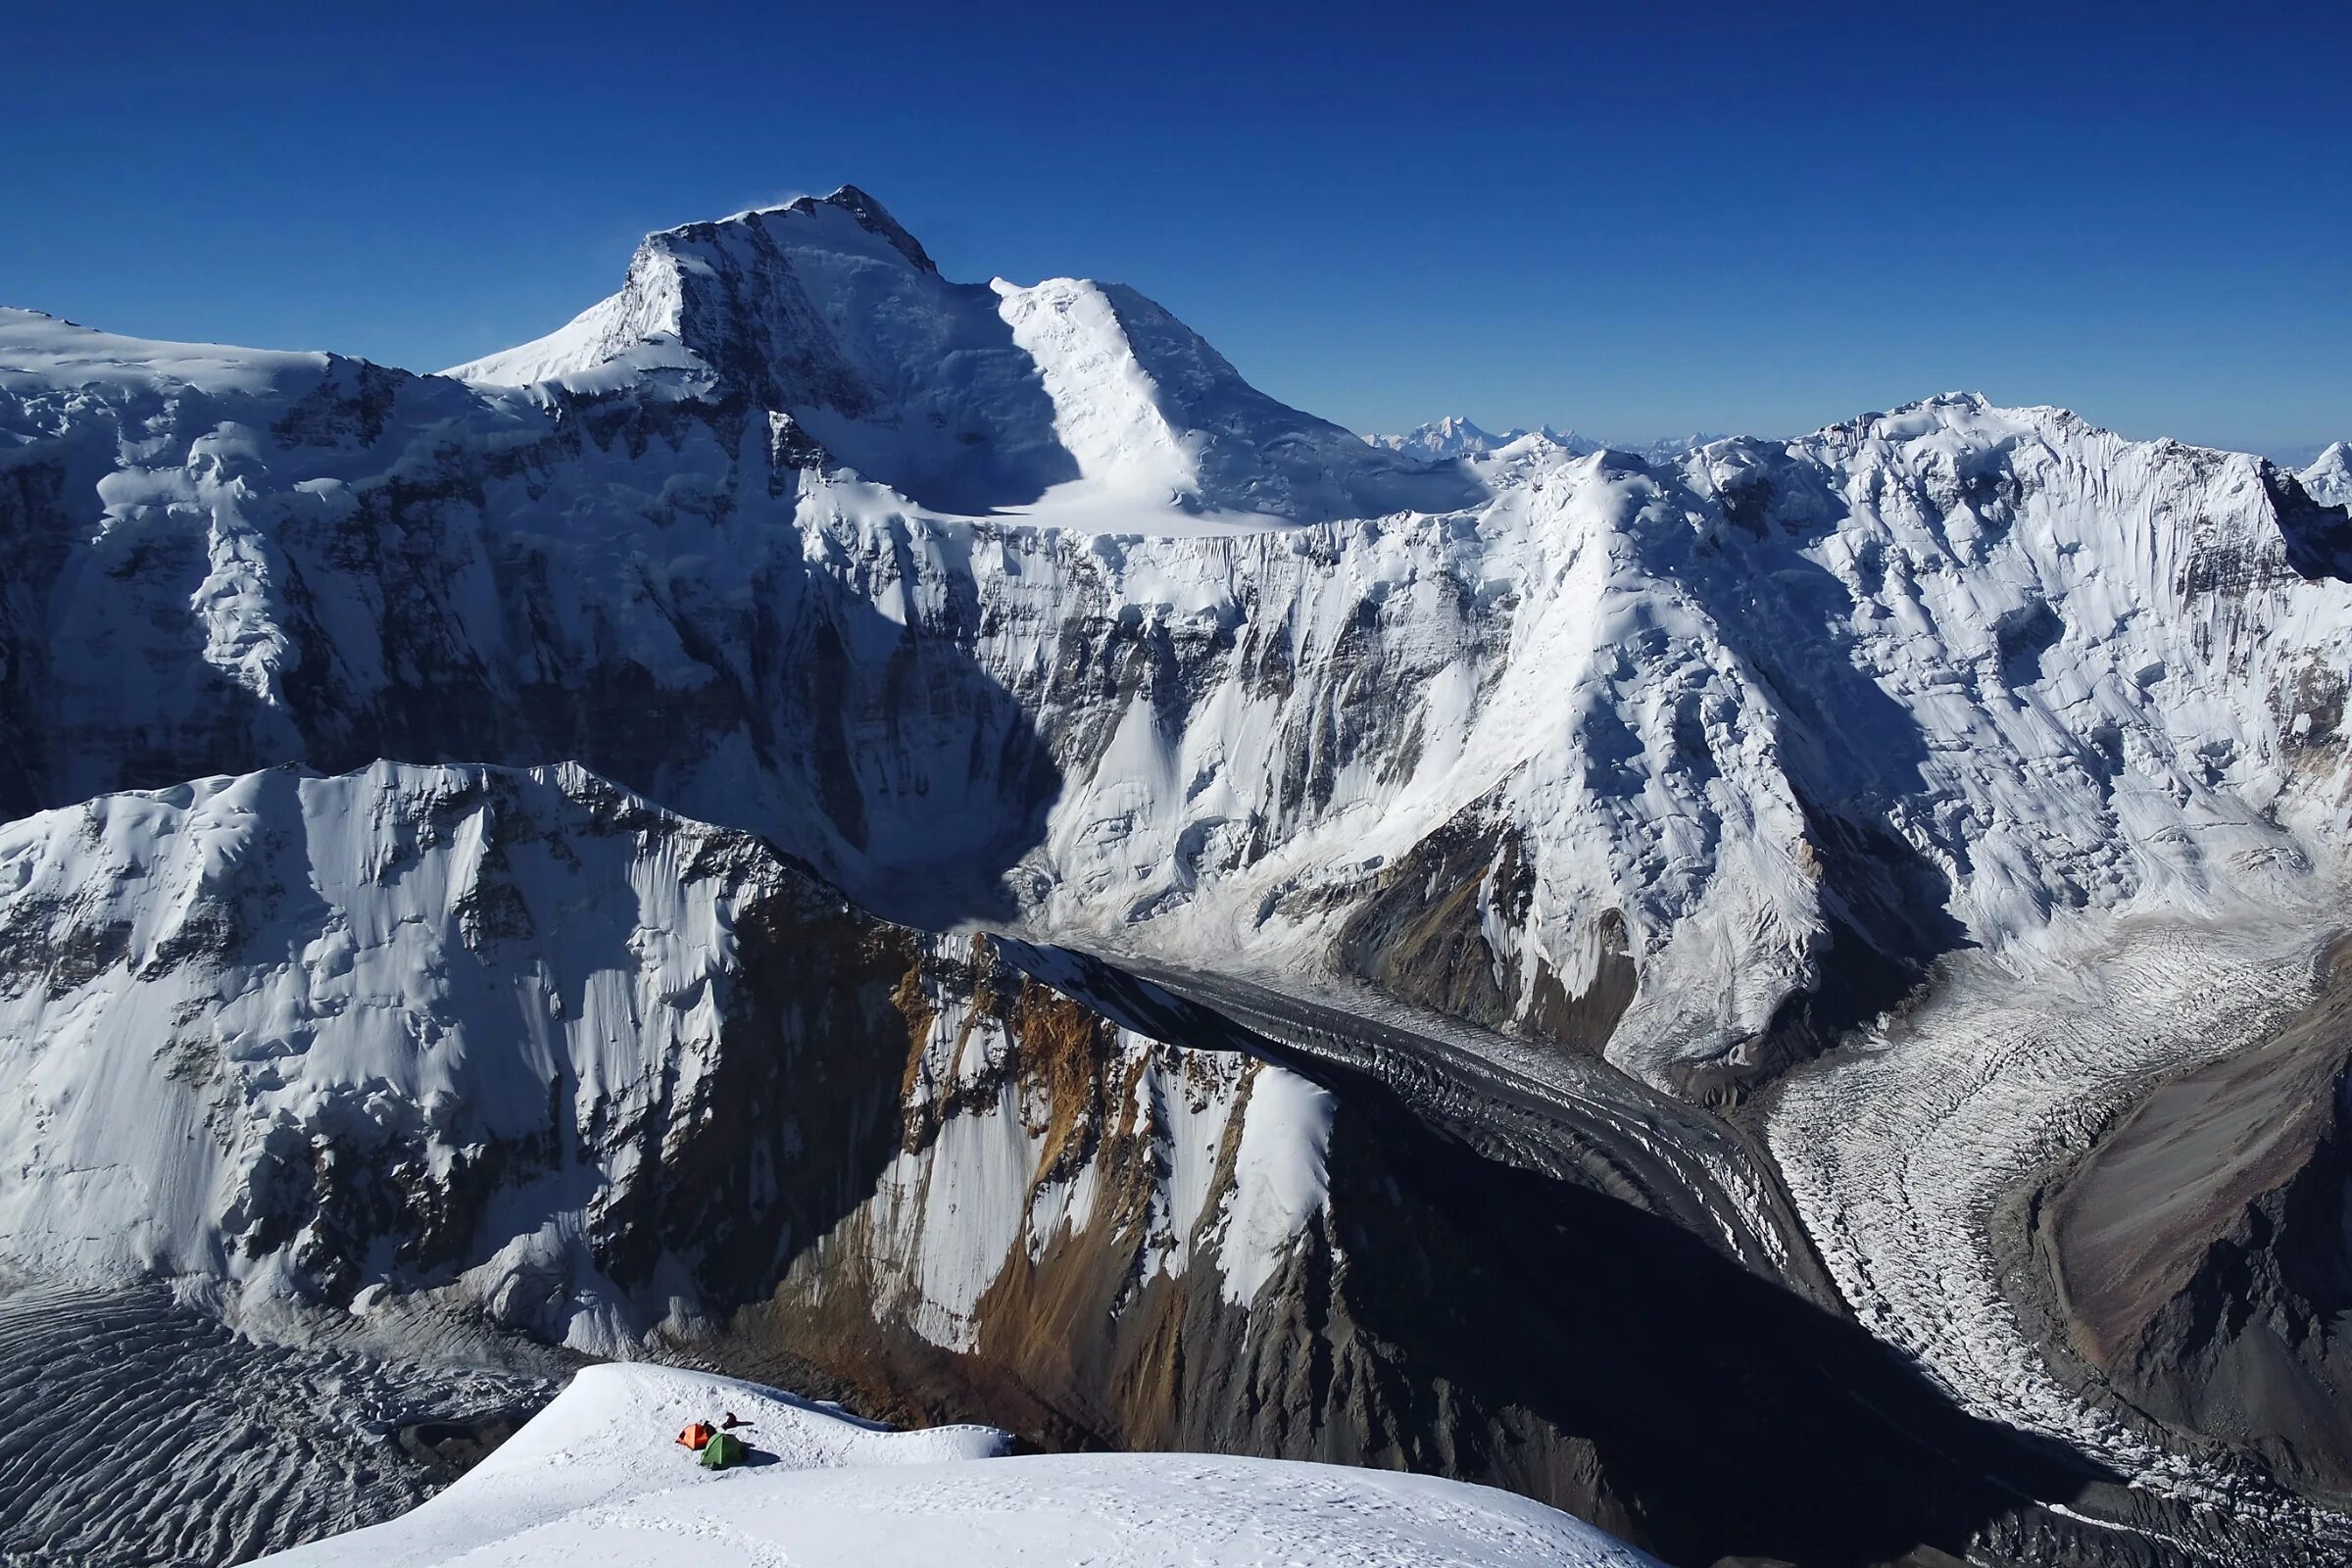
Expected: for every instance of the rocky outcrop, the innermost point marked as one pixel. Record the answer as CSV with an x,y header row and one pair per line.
x,y
1446,928
2201,1251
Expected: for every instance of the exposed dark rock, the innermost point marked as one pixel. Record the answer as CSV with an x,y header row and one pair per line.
x,y
2203,1250
1422,936
2318,537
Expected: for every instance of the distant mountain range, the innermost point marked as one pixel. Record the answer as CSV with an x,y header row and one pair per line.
x,y
1454,436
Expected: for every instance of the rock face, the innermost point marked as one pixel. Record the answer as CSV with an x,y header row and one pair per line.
x,y
2200,1249
520,1038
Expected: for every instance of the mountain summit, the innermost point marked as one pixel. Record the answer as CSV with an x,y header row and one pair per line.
x,y
967,398
2330,477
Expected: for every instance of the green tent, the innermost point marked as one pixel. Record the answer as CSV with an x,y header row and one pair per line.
x,y
723,1451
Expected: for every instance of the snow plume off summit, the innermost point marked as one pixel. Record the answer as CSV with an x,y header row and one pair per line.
x,y
928,842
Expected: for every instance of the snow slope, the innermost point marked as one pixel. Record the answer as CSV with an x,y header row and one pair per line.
x,y
2330,477
595,1478
248,1020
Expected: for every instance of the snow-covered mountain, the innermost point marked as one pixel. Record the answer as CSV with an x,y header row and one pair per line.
x,y
2329,476
1456,437
1599,787
521,1041
964,397
1684,763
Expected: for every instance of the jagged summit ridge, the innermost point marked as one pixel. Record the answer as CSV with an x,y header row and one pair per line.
x,y
967,398
1454,436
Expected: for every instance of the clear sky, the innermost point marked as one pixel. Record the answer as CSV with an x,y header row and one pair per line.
x,y
1633,220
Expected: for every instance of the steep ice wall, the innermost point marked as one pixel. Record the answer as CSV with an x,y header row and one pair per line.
x,y
1150,412
1700,761
522,1039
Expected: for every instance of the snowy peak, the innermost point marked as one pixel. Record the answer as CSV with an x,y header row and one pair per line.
x,y
965,398
830,312
2330,479
871,218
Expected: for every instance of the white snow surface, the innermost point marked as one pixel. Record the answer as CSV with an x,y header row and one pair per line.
x,y
595,1478
210,982
2330,477
42,354
608,1440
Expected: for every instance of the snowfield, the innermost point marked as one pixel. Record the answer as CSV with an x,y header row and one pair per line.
x,y
595,1478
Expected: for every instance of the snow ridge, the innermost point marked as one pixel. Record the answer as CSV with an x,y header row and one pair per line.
x,y
1454,436
595,1478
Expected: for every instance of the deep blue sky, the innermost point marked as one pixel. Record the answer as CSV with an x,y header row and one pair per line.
x,y
1635,220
